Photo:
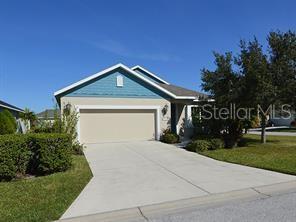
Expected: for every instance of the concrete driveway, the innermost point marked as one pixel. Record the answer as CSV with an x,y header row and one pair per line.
x,y
128,175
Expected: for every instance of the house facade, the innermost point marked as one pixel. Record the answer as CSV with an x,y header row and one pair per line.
x,y
124,104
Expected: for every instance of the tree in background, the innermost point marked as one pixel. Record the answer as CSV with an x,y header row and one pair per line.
x,y
29,117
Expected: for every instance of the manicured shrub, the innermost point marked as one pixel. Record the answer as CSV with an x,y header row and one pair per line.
x,y
14,156
216,144
35,154
169,137
293,123
52,153
198,146
7,123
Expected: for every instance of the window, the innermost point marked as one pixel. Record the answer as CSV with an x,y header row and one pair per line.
x,y
119,81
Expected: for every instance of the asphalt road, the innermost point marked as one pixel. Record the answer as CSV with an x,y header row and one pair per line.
x,y
280,208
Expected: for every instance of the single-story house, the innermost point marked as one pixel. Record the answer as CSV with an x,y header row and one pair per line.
x,y
15,111
123,104
48,115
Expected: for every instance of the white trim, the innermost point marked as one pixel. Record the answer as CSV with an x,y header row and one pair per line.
x,y
150,73
118,107
8,107
177,118
128,70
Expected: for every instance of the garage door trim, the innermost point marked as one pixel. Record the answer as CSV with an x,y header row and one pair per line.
x,y
120,107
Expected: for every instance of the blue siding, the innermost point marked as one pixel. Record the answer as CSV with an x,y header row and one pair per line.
x,y
146,75
105,86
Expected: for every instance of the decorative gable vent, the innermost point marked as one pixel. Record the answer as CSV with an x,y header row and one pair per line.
x,y
119,81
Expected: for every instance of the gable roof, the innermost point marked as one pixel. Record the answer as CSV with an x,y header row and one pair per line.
x,y
11,107
48,114
137,67
171,91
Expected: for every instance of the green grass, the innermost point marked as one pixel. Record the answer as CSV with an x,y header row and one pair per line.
x,y
278,154
289,130
43,198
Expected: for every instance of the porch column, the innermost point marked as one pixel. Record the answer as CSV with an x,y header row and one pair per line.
x,y
188,116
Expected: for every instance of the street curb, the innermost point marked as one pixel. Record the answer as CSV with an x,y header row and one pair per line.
x,y
120,215
143,212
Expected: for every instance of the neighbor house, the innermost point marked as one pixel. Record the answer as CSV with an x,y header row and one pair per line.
x,y
15,111
48,115
123,104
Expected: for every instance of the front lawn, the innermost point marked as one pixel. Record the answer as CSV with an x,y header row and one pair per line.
x,y
43,198
279,154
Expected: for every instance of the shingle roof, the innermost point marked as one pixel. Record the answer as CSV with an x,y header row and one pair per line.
x,y
180,91
48,114
8,106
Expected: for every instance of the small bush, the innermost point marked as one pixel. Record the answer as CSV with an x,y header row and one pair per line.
x,y
52,153
7,123
198,146
169,137
77,148
14,156
293,123
216,144
242,142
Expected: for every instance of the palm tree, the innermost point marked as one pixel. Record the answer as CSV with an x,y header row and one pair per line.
x,y
29,117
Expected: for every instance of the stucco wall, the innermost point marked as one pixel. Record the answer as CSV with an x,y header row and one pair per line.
x,y
164,119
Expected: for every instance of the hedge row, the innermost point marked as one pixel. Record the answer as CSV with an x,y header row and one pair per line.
x,y
37,154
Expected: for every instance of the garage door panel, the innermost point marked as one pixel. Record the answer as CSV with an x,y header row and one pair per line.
x,y
116,125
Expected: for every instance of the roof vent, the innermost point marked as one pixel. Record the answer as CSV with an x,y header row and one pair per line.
x,y
119,81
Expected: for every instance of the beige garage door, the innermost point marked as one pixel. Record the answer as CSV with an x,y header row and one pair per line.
x,y
98,126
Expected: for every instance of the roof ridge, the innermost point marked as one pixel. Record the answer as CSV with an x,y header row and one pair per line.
x,y
150,73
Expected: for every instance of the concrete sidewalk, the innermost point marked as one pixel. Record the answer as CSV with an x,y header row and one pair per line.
x,y
273,133
132,175
150,212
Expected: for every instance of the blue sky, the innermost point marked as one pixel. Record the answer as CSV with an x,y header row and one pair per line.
x,y
46,45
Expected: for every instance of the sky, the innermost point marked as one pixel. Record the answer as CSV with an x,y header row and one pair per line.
x,y
47,45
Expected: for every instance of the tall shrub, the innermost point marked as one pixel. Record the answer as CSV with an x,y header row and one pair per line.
x,y
67,124
52,153
7,123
